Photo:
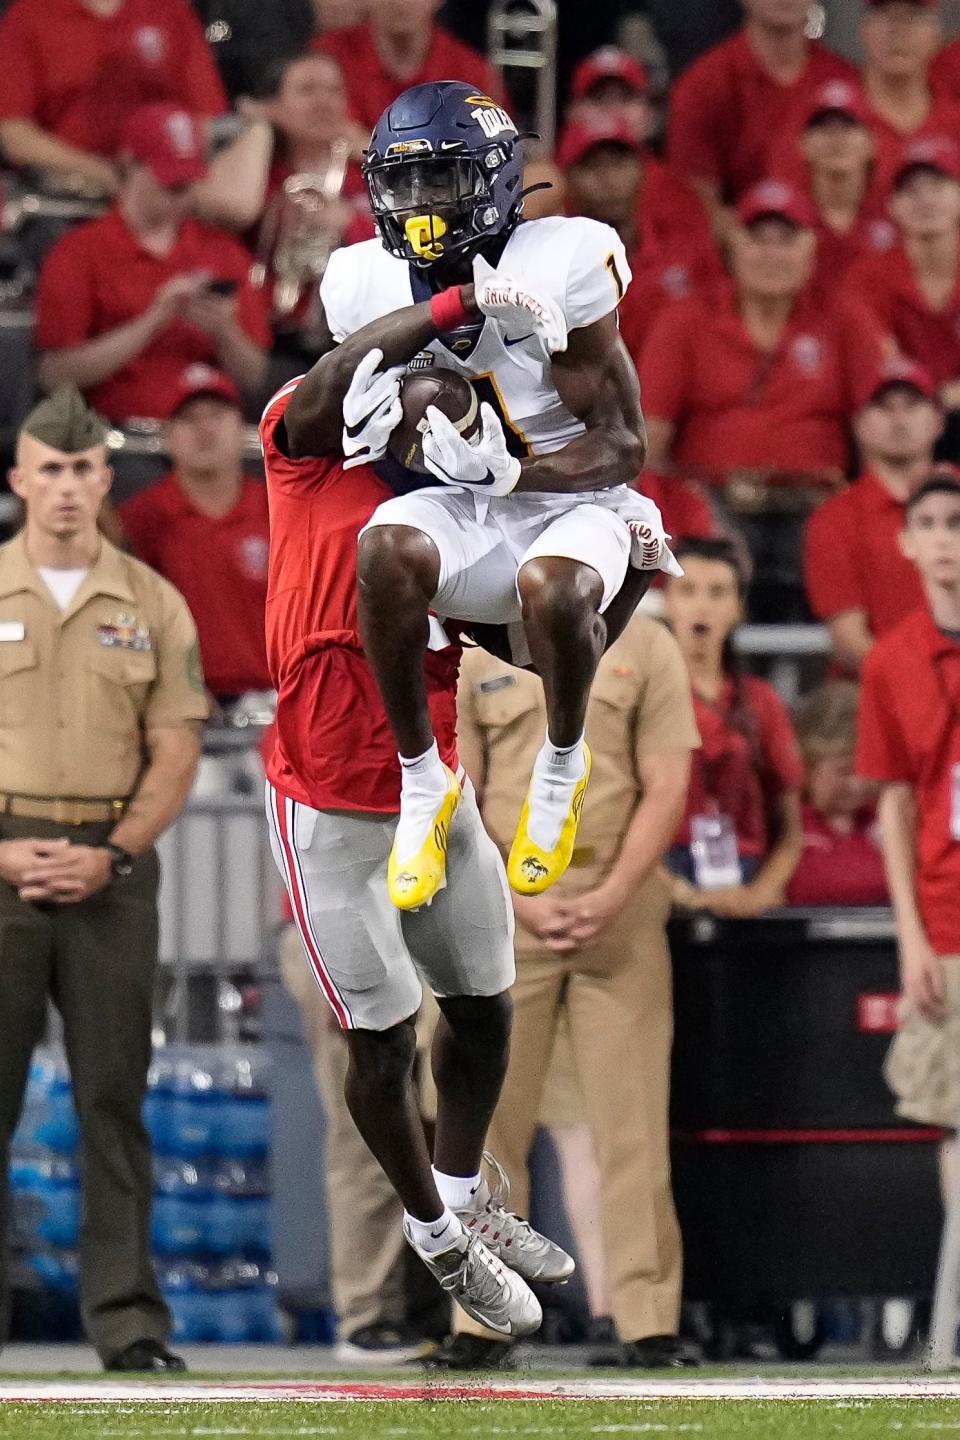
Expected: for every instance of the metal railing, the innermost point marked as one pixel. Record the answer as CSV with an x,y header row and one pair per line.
x,y
220,894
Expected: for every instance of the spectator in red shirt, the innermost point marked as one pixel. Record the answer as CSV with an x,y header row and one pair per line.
x,y
858,580
909,740
900,40
913,291
728,108
610,177
205,528
611,86
945,71
832,159
127,301
841,862
398,46
740,838
75,70
760,373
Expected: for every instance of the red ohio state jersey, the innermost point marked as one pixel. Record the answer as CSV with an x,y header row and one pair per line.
x,y
333,747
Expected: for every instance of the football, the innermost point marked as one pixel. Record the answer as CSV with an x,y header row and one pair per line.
x,y
454,396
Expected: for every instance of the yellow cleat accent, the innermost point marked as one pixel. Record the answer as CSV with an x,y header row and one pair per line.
x,y
531,870
414,882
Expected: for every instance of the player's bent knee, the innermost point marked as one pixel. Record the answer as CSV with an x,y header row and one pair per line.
x,y
557,591
393,559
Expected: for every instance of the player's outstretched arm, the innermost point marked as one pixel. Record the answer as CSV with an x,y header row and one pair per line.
x,y
596,380
314,415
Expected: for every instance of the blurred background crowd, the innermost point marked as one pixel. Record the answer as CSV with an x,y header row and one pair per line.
x,y
785,177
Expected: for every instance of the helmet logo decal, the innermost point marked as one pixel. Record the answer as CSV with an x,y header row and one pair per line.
x,y
425,233
408,147
492,120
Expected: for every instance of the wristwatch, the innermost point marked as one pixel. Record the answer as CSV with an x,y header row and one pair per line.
x,y
121,861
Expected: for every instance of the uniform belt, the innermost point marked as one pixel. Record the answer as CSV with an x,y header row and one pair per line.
x,y
63,810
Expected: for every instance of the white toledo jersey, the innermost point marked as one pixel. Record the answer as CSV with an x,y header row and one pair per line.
x,y
580,264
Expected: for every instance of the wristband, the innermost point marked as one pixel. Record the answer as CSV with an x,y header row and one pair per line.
x,y
448,312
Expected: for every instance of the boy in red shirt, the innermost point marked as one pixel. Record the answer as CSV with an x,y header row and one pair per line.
x,y
909,741
841,862
205,528
858,580
740,836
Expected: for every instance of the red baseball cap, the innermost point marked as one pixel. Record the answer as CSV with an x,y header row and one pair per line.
x,y
933,152
201,380
774,199
837,97
581,135
898,370
608,63
168,140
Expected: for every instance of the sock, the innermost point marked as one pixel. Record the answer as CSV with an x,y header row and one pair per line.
x,y
567,760
556,771
423,785
457,1190
423,767
432,1236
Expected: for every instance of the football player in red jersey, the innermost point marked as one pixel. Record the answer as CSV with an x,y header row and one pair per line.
x,y
333,793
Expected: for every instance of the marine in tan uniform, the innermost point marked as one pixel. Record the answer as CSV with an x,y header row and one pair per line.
x,y
101,701
595,947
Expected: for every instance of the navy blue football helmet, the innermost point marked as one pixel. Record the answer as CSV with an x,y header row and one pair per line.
x,y
445,171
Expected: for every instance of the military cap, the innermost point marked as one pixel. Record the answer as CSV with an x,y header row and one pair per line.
x,y
64,421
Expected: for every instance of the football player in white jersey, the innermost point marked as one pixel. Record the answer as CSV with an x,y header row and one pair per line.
x,y
533,525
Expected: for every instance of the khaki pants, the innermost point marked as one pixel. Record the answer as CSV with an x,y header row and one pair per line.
x,y
366,1242
619,1004
97,961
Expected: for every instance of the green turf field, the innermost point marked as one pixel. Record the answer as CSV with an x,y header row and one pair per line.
x,y
411,1419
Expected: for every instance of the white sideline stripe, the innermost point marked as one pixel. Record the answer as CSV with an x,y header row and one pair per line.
x,y
90,1392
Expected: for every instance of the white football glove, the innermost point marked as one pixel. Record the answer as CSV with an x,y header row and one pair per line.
x,y
484,465
649,548
371,410
518,308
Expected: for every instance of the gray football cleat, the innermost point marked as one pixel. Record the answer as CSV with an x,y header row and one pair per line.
x,y
490,1294
511,1238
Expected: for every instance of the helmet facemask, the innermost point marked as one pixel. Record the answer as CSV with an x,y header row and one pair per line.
x,y
432,207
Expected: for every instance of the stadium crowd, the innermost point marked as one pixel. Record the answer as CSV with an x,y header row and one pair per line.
x,y
792,223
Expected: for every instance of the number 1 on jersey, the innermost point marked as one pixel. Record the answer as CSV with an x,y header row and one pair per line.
x,y
611,264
